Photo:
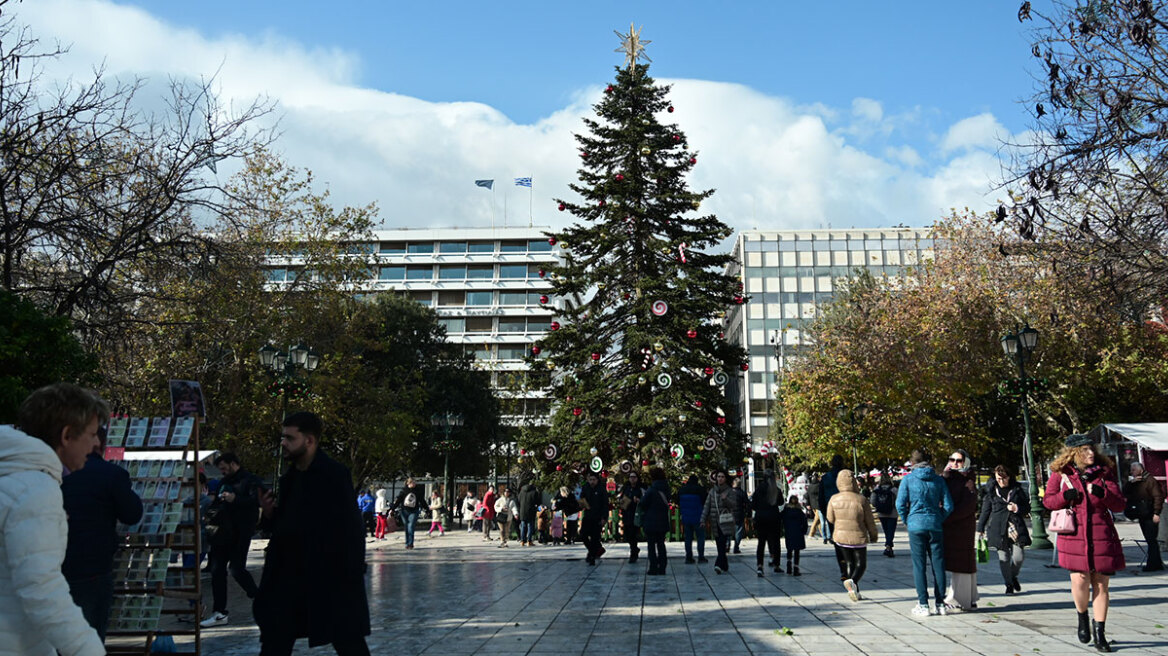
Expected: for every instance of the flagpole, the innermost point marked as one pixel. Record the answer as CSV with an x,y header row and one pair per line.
x,y
530,212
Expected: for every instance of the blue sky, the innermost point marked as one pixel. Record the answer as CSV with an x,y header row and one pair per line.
x,y
843,113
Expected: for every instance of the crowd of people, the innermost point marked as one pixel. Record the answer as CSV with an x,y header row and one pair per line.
x,y
60,504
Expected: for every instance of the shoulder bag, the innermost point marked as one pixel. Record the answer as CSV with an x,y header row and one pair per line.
x,y
1062,521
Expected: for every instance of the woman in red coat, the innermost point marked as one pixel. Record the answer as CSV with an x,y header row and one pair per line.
x,y
1083,480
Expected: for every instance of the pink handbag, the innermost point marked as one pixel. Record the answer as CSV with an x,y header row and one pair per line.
x,y
1062,521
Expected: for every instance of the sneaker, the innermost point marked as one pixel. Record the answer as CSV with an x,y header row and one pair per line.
x,y
1017,586
950,609
759,571
216,619
702,559
943,609
921,610
853,591
717,570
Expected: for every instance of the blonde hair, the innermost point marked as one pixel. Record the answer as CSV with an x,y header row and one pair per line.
x,y
1070,455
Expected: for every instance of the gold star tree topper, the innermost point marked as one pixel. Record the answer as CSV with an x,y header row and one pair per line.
x,y
633,46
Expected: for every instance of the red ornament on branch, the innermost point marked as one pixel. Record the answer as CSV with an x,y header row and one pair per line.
x,y
620,177
552,241
670,110
709,371
691,333
596,357
721,420
543,299
693,160
555,325
744,367
562,207
535,350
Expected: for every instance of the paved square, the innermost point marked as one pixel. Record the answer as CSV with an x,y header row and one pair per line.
x,y
458,595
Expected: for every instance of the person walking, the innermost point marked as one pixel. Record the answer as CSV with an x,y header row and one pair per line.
x,y
543,524
794,519
436,509
814,486
690,499
768,525
488,513
853,527
313,582
1082,480
381,509
741,514
469,504
829,487
238,501
627,499
594,501
654,509
1145,500
506,509
568,506
367,504
959,530
409,503
96,497
884,502
529,503
57,429
719,511
923,503
1002,524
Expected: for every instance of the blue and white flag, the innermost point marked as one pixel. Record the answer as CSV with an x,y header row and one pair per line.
x,y
523,182
489,184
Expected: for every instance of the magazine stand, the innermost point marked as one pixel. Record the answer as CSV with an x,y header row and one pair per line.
x,y
156,571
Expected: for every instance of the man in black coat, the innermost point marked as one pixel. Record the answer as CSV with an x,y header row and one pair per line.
x,y
239,501
313,585
594,501
529,500
97,497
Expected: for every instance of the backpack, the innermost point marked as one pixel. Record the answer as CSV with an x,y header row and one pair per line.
x,y
411,501
220,528
883,500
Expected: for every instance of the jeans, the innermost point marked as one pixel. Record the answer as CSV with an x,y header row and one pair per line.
x,y
94,596
1010,562
769,532
889,526
1151,531
526,531
739,533
688,531
856,561
926,545
722,540
824,527
590,536
655,543
410,521
233,557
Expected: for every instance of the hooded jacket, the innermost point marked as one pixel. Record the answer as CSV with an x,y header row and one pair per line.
x,y
923,500
37,615
690,498
381,506
850,513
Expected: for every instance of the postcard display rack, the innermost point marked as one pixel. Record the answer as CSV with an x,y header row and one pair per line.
x,y
156,571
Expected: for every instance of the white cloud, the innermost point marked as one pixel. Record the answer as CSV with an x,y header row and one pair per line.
x,y
775,163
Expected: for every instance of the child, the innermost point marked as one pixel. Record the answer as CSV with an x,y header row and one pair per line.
x,y
794,521
542,520
557,527
436,506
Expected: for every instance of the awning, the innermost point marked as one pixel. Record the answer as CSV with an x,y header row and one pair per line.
x,y
1153,437
203,456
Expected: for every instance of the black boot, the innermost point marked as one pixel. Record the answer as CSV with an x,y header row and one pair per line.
x,y
1084,628
1101,643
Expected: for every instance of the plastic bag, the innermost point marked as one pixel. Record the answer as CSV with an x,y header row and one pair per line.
x,y
983,551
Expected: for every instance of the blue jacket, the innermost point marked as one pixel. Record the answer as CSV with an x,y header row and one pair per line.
x,y
923,500
96,498
828,487
691,497
366,502
654,509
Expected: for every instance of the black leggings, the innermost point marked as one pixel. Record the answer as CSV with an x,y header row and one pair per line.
x,y
856,561
769,531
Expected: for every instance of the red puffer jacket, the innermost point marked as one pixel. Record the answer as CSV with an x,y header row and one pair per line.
x,y
1094,546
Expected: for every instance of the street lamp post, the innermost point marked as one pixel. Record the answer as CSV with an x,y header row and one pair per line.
x,y
1019,347
284,367
852,415
446,422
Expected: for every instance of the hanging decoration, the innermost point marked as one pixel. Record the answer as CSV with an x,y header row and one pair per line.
x,y
721,378
659,308
551,452
597,464
681,253
626,467
664,380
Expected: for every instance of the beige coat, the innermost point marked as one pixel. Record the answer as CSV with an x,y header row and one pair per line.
x,y
850,514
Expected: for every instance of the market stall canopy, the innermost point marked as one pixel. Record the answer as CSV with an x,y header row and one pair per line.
x,y
205,455
1151,437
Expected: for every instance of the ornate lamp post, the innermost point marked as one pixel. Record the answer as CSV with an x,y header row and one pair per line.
x,y
446,422
851,416
1019,347
284,367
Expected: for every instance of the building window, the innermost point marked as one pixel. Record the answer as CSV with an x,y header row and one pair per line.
x,y
855,245
276,275
534,269
392,273
512,324
479,298
512,271
821,245
539,246
479,324
452,272
512,351
802,246
787,246
758,407
481,247
512,246
452,247
480,272
423,248
420,273
393,248
451,297
480,351
453,324
539,325
514,299
425,298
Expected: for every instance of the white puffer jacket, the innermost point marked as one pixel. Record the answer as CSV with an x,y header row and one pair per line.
x,y
37,615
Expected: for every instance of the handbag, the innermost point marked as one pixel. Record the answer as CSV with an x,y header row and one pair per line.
x,y
983,551
725,517
1062,521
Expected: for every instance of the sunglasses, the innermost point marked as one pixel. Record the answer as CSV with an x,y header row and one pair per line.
x,y
957,460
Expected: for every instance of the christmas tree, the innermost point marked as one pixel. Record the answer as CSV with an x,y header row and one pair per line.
x,y
637,354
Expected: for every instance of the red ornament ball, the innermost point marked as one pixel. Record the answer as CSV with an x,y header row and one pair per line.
x,y
709,371
608,89
559,468
676,138
584,154
542,273
604,474
555,325
744,367
693,160
543,299
601,203
721,420
697,404
739,300
721,335
670,110
620,177
691,333
596,357
552,241
644,463
535,350
562,207
577,411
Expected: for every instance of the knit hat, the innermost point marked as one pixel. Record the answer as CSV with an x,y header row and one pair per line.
x,y
1078,440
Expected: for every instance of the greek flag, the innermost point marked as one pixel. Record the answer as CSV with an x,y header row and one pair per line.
x,y
523,182
489,184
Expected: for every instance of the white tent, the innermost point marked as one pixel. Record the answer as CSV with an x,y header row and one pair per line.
x,y
1150,437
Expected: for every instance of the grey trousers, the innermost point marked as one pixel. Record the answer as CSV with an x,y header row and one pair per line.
x,y
1010,561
